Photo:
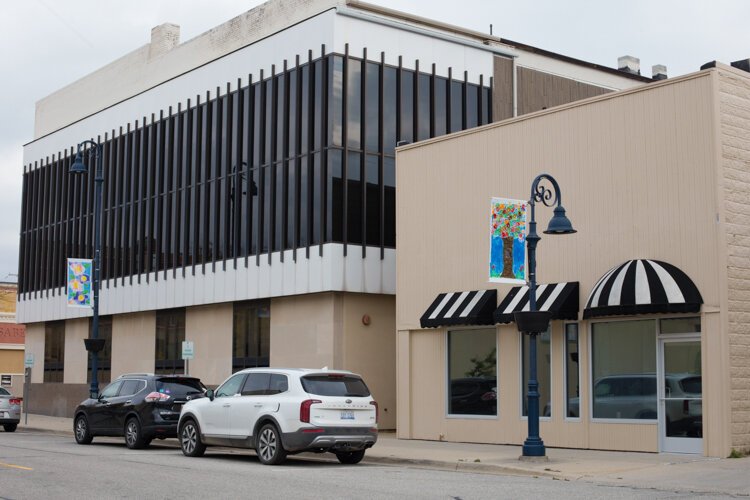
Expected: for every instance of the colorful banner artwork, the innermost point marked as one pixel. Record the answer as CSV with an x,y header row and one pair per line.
x,y
508,241
79,283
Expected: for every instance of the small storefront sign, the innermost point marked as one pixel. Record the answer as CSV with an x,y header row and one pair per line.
x,y
188,351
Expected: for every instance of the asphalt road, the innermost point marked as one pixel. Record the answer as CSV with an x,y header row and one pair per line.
x,y
42,465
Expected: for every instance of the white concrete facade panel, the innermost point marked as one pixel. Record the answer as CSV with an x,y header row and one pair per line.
x,y
329,272
377,38
287,44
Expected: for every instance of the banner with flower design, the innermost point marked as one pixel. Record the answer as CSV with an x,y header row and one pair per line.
x,y
79,283
508,241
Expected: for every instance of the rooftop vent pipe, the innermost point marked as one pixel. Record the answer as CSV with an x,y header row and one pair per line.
x,y
629,64
659,72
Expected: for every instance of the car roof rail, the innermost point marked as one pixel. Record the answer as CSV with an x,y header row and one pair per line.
x,y
136,375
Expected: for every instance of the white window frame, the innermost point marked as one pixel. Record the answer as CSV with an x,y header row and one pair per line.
x,y
657,334
565,370
446,375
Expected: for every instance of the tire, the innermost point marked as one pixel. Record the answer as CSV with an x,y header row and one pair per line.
x,y
350,457
190,440
134,436
82,431
268,446
10,427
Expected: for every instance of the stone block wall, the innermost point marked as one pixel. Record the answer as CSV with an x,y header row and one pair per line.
x,y
734,110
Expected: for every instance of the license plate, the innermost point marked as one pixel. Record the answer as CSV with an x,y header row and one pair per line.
x,y
347,415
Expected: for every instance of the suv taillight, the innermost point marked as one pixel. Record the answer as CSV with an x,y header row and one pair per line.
x,y
304,409
154,397
377,410
15,401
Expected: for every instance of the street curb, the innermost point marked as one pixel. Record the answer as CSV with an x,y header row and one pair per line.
x,y
459,466
60,432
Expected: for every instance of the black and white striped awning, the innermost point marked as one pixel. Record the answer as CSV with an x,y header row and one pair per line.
x,y
642,287
561,299
460,308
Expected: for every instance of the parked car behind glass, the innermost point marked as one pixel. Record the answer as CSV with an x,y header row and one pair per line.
x,y
633,396
473,396
279,412
139,406
10,410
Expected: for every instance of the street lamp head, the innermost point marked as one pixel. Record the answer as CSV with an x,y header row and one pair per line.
x,y
559,224
78,167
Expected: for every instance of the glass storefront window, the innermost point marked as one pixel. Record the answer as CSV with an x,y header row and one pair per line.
x,y
472,372
681,325
54,351
543,373
170,333
572,388
624,369
251,334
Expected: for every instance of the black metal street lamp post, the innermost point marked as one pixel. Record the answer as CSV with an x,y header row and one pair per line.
x,y
533,322
93,344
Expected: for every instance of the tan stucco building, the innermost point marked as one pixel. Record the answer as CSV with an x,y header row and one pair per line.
x,y
249,188
656,180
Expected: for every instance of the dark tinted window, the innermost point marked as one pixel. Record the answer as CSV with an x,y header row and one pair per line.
x,y
279,383
354,199
3,392
692,385
256,384
130,387
335,385
111,390
179,386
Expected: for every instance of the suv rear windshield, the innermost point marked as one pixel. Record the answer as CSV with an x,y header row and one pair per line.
x,y
691,385
335,385
179,386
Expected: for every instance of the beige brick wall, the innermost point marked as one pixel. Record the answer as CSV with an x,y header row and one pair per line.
x,y
734,109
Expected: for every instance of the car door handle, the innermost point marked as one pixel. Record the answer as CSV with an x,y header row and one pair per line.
x,y
107,403
226,405
128,401
258,405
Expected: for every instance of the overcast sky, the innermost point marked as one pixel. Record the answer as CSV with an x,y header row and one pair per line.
x,y
47,44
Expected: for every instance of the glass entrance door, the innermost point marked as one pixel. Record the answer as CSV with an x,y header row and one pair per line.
x,y
680,396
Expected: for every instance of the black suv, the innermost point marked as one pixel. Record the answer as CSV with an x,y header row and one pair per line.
x,y
139,406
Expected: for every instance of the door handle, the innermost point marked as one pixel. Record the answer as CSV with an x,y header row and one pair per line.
x,y
226,405
259,405
128,401
107,403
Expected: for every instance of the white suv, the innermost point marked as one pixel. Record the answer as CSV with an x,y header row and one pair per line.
x,y
283,411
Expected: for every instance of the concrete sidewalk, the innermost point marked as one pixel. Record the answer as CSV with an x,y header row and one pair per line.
x,y
665,472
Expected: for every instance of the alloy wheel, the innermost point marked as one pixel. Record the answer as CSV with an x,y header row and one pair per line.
x,y
268,444
131,434
189,438
81,428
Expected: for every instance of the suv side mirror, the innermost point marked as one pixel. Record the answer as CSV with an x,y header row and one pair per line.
x,y
210,394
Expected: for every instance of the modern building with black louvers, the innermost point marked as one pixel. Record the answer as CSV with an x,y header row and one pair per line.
x,y
249,188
